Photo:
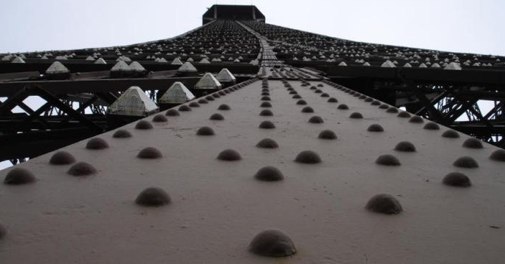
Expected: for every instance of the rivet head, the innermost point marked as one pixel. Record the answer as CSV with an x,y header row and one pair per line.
x,y
416,120
209,98
383,106
450,134
19,176
384,204
217,117
194,104
325,95
229,155
184,108
308,157
431,126
172,112
307,109
122,133
392,110
457,179
203,101
224,107
153,197
375,103
159,118
267,125
375,128
313,88
267,143
205,131
332,100
316,120
62,158
404,115
356,115
269,173
149,153
97,143
82,169
342,107
143,125
265,98
466,162
266,105
327,134
272,243
301,102
473,143
266,112
405,146
296,96
387,160
216,95
498,155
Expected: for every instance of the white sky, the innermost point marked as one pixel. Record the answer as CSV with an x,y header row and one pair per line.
x,y
476,26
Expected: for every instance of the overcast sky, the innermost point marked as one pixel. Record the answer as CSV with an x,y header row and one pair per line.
x,y
476,26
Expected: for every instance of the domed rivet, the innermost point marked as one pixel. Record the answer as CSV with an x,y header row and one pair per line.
x,y
205,131
405,146
375,128
416,120
266,112
62,158
356,115
450,134
122,133
267,125
307,109
466,162
18,176
296,96
172,112
343,107
384,204
473,143
404,115
203,101
224,107
159,118
265,98
267,143
82,169
316,120
332,100
457,179
229,155
153,197
217,117
308,157
209,98
327,134
97,143
392,110
143,125
383,106
149,153
194,104
184,108
266,105
498,155
301,102
431,126
325,95
387,160
272,243
269,173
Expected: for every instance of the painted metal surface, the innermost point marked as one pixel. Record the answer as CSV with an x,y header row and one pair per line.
x,y
218,207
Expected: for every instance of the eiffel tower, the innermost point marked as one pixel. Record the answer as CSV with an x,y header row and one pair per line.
x,y
242,141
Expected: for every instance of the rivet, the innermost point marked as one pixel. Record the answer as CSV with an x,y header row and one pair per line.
x,y
216,116
153,197
356,115
265,98
149,153
368,99
62,158
473,143
392,110
267,143
122,133
272,243
466,162
320,85
194,104
266,112
404,114
143,125
18,176
498,155
362,97
229,155
384,204
269,173
159,118
224,107
209,98
97,143
375,103
82,169
343,107
387,160
308,157
450,134
405,146
222,93
327,134
296,96
266,104
375,128
293,92
457,179
416,119
267,125
332,100
318,91
383,106
301,102
203,101
216,95
307,109
265,93
172,112
313,88
316,120
431,126
184,108
205,131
